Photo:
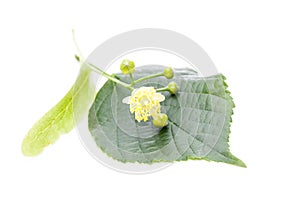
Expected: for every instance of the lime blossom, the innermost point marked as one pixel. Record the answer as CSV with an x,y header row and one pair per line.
x,y
144,102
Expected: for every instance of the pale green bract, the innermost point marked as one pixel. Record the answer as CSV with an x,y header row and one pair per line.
x,y
60,119
198,128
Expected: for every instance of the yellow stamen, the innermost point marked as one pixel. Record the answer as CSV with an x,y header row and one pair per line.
x,y
144,102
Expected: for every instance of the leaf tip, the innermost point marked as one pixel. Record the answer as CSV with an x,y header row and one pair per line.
x,y
241,164
28,149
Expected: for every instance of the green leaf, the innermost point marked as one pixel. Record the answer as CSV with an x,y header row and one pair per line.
x,y
199,121
60,119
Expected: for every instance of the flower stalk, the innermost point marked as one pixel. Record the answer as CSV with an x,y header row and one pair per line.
x,y
110,77
148,77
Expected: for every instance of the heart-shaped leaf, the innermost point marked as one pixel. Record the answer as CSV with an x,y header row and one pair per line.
x,y
199,120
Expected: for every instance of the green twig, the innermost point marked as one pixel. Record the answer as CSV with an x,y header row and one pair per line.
x,y
148,77
81,60
162,89
103,73
131,78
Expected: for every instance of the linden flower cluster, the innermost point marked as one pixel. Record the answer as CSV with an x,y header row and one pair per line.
x,y
144,101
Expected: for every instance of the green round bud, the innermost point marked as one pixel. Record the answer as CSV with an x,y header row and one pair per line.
x,y
160,121
127,66
168,72
172,86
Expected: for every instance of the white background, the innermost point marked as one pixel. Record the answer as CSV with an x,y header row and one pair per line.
x,y
256,44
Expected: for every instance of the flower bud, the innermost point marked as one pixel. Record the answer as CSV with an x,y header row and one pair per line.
x,y
160,120
168,72
172,86
127,66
